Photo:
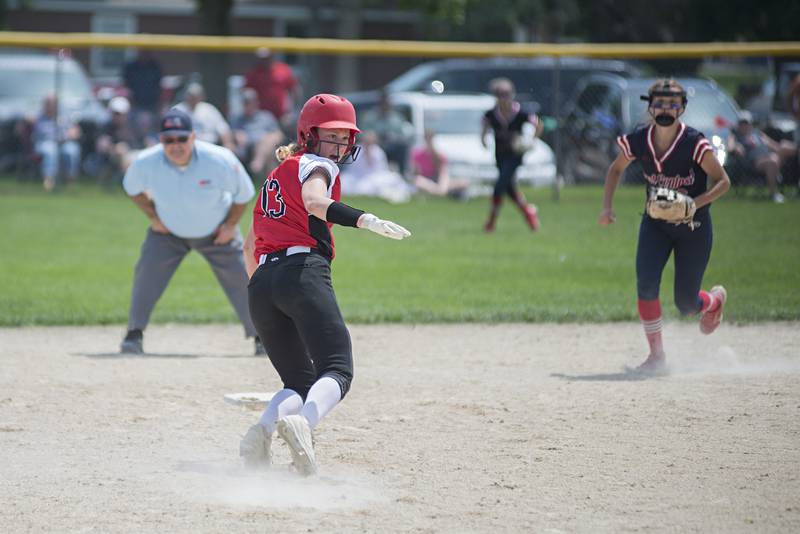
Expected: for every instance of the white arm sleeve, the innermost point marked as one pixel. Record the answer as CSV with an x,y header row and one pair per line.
x,y
309,163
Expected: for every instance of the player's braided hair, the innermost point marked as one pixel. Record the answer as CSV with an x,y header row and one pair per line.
x,y
286,151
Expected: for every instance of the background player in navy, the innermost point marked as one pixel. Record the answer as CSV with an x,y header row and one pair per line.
x,y
288,253
506,119
678,157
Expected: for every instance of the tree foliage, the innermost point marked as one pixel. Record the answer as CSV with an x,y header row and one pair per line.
x,y
688,20
500,20
215,16
626,21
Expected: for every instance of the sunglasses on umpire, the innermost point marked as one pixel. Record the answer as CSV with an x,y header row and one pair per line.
x,y
171,140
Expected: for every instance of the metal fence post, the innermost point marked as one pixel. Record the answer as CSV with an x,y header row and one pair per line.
x,y
60,54
557,137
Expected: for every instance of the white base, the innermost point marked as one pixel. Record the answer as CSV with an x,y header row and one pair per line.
x,y
251,400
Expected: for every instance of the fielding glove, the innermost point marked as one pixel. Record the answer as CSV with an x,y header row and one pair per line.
x,y
670,205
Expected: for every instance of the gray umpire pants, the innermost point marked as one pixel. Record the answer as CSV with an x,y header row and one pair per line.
x,y
159,259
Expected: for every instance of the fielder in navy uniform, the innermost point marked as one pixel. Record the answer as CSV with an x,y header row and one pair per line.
x,y
506,120
288,254
678,157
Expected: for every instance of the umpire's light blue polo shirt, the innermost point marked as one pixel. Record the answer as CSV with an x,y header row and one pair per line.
x,y
191,201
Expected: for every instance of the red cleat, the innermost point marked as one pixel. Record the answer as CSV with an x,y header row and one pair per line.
x,y
532,216
710,320
488,227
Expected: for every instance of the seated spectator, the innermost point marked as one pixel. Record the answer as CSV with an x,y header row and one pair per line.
x,y
256,134
430,172
370,175
209,124
56,139
793,104
394,131
117,145
761,153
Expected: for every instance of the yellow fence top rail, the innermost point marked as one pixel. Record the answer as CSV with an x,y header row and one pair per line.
x,y
394,48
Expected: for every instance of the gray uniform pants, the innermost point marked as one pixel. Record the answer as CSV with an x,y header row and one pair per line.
x,y
159,259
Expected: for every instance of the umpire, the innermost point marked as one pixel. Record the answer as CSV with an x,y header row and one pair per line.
x,y
194,194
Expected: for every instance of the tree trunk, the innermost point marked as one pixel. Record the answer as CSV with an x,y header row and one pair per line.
x,y
349,27
215,19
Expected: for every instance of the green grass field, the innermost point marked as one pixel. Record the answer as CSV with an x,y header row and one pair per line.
x,y
67,258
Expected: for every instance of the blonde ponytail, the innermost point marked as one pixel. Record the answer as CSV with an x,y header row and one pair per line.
x,y
286,151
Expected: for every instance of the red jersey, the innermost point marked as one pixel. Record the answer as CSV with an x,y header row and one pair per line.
x,y
280,219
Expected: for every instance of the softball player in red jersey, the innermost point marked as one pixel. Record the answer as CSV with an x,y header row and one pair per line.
x,y
288,253
675,156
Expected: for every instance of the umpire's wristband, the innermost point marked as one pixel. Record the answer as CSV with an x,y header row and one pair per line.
x,y
343,214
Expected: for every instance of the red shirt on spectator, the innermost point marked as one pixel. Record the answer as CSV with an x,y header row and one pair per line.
x,y
273,81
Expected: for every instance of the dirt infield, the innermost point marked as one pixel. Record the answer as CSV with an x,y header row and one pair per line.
x,y
454,428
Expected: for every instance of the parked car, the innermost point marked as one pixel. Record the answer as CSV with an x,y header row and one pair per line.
x,y
26,78
533,78
456,120
770,107
605,106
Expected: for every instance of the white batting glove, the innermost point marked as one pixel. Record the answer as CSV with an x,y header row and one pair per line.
x,y
384,228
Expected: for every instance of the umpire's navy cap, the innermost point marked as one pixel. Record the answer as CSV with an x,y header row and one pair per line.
x,y
176,121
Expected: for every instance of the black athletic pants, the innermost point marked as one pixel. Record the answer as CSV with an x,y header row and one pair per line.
x,y
507,166
295,312
692,249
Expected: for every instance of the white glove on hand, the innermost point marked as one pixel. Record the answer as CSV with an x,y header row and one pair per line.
x,y
384,228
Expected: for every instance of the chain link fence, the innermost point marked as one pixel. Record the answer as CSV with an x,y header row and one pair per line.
x,y
741,103
741,107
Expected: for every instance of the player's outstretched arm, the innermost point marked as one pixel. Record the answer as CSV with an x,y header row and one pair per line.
x,y
381,227
615,170
318,204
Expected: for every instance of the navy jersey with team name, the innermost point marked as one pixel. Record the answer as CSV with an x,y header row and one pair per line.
x,y
505,130
678,167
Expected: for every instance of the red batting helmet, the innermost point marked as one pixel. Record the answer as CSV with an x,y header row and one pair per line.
x,y
325,111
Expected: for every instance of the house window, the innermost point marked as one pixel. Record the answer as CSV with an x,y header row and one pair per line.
x,y
108,62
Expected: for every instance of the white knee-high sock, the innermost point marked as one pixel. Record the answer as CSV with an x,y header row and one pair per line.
x,y
321,399
285,402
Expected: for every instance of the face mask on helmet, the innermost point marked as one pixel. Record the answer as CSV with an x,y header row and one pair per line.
x,y
351,155
345,152
664,119
668,91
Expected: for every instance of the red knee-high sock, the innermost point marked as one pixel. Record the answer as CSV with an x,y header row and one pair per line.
x,y
495,209
710,302
650,314
521,201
